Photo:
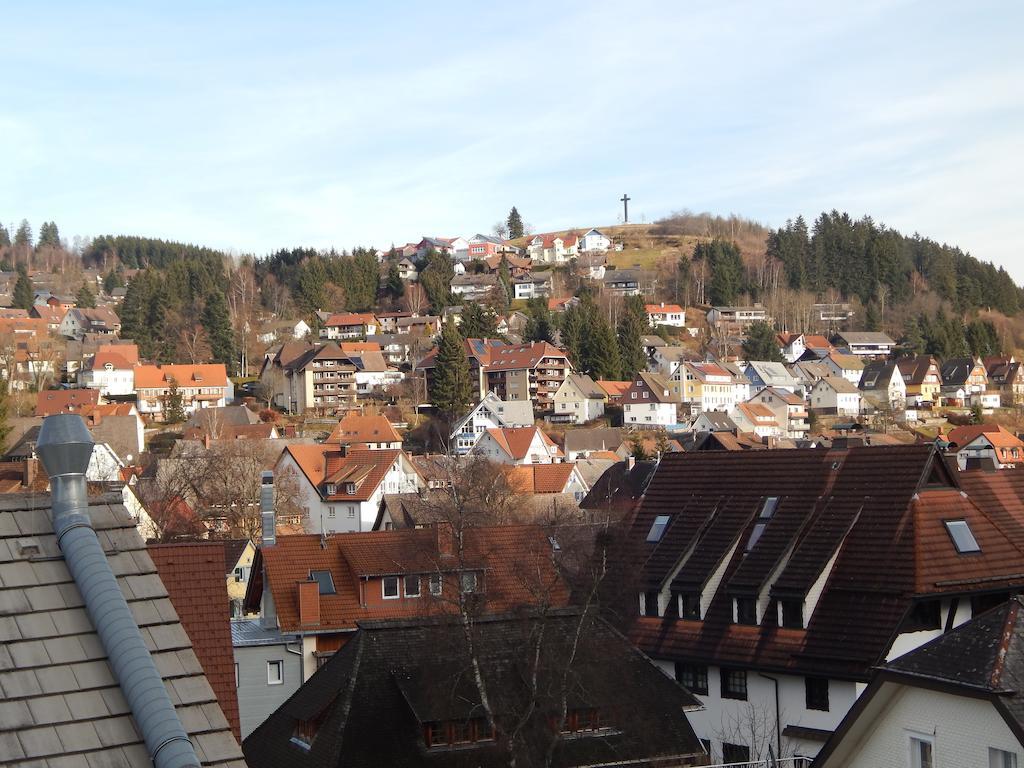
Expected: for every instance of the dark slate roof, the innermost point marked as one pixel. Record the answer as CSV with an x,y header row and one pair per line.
x,y
374,695
60,703
957,370
878,510
619,488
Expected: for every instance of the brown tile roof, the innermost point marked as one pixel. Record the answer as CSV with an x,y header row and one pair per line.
x,y
359,428
193,575
61,704
324,462
541,478
516,441
159,376
512,357
121,356
351,318
51,401
995,433
516,560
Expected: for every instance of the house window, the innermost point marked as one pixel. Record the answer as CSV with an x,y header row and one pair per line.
x,y
435,584
389,585
963,539
325,580
468,582
331,512
351,512
651,603
735,753
331,489
275,672
816,693
305,732
412,586
350,489
239,574
746,610
693,677
734,684
924,615
793,614
690,606
1000,758
658,528
921,752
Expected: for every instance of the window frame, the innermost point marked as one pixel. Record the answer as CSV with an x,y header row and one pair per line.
x,y
729,692
816,693
693,677
325,586
914,737
971,543
384,588
275,664
462,583
412,578
435,579
1002,758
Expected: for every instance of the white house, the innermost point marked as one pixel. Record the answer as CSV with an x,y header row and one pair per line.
x,y
490,413
665,314
578,400
111,370
407,271
834,394
867,343
705,386
883,381
850,367
594,240
530,285
340,489
517,445
789,409
650,401
956,702
763,374
553,248
200,386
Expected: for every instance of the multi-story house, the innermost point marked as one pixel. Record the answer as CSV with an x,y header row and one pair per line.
x,y
517,445
79,321
850,367
736,319
665,314
791,345
650,401
407,271
372,432
764,374
338,488
964,374
531,285
704,386
867,343
774,582
593,240
349,325
922,378
531,372
578,400
758,419
883,385
623,282
790,410
485,246
553,248
304,377
490,413
1006,377
199,386
475,287
111,370
992,442
835,395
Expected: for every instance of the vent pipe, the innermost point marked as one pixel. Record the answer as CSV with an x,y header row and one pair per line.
x,y
65,446
267,508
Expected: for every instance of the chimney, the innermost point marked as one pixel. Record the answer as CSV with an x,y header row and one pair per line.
x,y
28,476
64,446
309,603
630,462
267,508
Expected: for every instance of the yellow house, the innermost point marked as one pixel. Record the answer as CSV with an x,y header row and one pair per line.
x,y
922,377
238,556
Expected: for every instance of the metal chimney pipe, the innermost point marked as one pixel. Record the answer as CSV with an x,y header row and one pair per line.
x,y
267,508
65,446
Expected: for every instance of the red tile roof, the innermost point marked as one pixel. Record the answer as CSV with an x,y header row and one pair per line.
x,y
51,401
516,561
324,462
159,376
358,428
516,441
193,574
541,478
342,319
661,309
995,433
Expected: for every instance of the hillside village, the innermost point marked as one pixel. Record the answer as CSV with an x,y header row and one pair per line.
x,y
516,495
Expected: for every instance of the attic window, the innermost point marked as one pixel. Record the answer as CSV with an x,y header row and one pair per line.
x,y
350,489
658,528
331,488
325,580
963,539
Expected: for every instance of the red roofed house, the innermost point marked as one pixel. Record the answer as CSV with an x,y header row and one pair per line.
x,y
549,478
53,315
51,401
517,445
553,248
614,389
200,386
531,371
349,325
665,314
320,588
372,432
111,370
338,488
986,441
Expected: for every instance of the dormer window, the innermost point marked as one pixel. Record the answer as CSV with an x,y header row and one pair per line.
x,y
792,614
963,538
745,610
350,489
658,528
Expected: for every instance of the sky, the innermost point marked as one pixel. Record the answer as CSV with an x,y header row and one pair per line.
x,y
256,126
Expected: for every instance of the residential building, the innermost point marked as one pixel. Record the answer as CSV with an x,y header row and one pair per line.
x,y
478,353
397,348
922,378
517,445
372,432
117,425
378,710
712,421
623,282
560,305
407,271
338,488
284,330
490,413
975,442
791,345
450,246
349,325
51,401
650,401
594,240
964,373
303,377
582,443
531,285
592,266
850,367
736,319
835,395
111,370
790,410
758,419
80,321
578,400
423,326
867,343
704,386
268,663
53,315
830,314
810,372
665,314
1006,377
667,359
955,701
762,374
563,480
475,286
816,347
786,576
62,703
407,573
883,384
553,248
200,386
615,390
485,246
532,371
238,557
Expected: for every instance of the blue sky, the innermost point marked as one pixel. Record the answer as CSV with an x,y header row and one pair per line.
x,y
256,126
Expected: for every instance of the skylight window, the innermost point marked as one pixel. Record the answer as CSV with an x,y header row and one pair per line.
x,y
325,580
962,536
767,513
658,528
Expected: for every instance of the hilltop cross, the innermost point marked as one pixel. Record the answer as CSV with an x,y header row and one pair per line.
x,y
625,207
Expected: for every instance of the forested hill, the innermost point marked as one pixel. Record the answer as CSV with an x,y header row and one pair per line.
x,y
859,258
135,252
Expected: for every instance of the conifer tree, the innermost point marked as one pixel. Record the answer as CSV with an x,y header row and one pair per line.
x,y
761,343
600,348
394,286
5,427
174,404
478,322
23,237
217,322
24,294
5,237
572,335
631,327
515,224
452,388
85,297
